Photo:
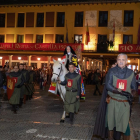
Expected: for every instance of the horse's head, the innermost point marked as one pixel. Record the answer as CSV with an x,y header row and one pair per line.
x,y
57,69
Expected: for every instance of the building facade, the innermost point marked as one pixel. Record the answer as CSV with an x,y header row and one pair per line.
x,y
67,22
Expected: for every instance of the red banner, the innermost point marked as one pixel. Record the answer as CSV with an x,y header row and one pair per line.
x,y
10,86
38,46
129,48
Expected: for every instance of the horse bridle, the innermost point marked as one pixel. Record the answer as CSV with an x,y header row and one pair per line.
x,y
59,72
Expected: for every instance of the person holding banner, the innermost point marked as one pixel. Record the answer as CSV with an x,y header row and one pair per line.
x,y
14,83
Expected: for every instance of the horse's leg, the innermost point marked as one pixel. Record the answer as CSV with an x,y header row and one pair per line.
x,y
62,97
63,117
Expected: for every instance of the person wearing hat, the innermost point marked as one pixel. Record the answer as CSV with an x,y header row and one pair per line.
x,y
72,83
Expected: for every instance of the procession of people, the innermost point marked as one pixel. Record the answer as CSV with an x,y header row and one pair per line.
x,y
120,86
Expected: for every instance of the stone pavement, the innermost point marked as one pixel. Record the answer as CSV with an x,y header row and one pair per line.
x,y
39,119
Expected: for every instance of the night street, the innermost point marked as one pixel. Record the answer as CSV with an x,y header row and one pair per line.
x,y
39,119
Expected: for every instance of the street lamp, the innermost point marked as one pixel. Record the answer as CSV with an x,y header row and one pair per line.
x,y
128,61
59,59
19,58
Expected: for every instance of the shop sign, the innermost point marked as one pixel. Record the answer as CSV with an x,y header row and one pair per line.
x,y
132,48
39,46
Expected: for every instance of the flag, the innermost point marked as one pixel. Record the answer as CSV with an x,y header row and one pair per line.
x,y
87,39
114,31
67,33
139,35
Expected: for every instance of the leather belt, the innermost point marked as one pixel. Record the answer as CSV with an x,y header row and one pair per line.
x,y
73,90
119,100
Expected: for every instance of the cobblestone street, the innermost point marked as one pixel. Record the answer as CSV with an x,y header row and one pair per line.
x,y
39,119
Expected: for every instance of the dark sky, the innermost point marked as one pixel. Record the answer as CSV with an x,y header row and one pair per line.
x,y
6,2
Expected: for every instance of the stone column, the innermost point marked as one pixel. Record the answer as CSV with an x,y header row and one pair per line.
x,y
90,64
94,64
29,60
98,64
138,64
101,66
85,63
10,61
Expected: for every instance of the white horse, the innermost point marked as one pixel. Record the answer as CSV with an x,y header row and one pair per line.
x,y
59,71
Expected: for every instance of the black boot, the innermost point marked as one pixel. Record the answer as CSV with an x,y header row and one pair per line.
x,y
71,118
68,115
14,109
27,97
21,102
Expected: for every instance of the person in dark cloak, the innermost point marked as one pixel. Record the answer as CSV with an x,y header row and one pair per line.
x,y
119,89
23,88
19,81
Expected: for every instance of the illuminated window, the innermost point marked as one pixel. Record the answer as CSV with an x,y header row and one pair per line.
x,y
78,38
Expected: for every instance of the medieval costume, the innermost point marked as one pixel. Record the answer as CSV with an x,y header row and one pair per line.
x,y
66,59
97,78
23,88
31,83
19,81
73,89
113,118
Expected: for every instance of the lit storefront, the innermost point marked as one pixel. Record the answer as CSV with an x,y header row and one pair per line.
x,y
23,26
